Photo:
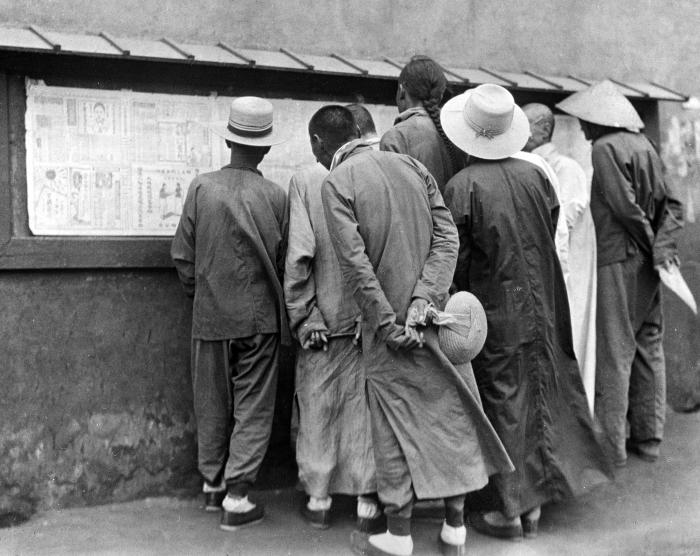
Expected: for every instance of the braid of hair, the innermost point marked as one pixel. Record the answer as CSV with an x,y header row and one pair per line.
x,y
424,79
432,107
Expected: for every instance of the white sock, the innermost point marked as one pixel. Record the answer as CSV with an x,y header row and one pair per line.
x,y
237,505
367,508
401,545
456,536
213,488
534,513
499,520
319,504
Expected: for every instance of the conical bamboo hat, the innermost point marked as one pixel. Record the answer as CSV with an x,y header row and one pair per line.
x,y
603,104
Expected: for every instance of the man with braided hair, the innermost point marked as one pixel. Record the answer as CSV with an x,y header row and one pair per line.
x,y
417,131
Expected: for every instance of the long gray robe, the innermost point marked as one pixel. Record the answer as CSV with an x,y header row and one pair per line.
x,y
395,240
506,213
334,442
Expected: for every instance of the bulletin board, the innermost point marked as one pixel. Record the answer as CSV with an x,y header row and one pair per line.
x,y
118,163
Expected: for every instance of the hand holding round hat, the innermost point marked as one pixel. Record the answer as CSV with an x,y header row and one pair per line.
x,y
485,122
250,122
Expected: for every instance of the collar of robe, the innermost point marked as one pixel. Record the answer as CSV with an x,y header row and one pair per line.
x,y
348,149
415,111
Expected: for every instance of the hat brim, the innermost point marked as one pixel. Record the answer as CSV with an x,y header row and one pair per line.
x,y
501,146
273,138
587,116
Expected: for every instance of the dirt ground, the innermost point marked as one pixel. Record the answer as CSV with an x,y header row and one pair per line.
x,y
651,509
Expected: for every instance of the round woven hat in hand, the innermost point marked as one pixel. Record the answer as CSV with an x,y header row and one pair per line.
x,y
463,343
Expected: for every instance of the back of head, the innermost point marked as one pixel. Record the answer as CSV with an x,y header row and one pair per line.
x,y
363,119
425,81
334,124
541,120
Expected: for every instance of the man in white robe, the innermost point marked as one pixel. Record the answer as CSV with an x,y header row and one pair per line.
x,y
579,249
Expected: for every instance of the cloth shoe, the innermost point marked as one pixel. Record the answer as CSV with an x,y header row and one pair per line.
x,y
452,541
213,496
239,512
370,518
494,524
530,522
317,512
385,544
647,450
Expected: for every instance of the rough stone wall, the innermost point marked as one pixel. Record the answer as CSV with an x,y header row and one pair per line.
x,y
96,391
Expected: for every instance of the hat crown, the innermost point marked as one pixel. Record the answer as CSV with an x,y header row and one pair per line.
x,y
464,342
250,116
489,110
603,104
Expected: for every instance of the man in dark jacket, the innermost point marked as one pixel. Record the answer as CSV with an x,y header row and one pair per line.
x,y
229,252
506,213
397,248
634,216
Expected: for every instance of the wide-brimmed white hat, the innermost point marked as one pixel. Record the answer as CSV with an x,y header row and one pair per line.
x,y
603,104
250,122
485,122
462,341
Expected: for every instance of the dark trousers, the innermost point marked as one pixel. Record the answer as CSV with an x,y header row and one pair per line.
x,y
234,383
630,367
394,484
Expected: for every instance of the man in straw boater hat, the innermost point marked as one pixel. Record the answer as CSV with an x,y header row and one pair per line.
x,y
229,252
506,210
635,217
397,248
334,440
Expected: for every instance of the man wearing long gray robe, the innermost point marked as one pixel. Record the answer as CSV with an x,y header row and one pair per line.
x,y
334,443
396,242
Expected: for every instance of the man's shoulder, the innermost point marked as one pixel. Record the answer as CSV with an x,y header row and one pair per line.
x,y
310,176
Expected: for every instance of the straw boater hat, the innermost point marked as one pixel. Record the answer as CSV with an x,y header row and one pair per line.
x,y
485,122
249,123
463,343
602,104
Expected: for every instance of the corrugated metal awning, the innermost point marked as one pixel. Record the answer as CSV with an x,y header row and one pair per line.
x,y
34,39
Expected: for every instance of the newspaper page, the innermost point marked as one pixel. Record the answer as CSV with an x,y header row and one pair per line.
x,y
105,162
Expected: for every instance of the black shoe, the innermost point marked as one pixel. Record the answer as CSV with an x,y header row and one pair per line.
x,y
360,545
646,450
511,532
371,525
447,549
320,519
529,526
230,521
213,500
